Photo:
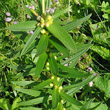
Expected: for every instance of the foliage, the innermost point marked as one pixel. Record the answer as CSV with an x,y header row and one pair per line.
x,y
54,55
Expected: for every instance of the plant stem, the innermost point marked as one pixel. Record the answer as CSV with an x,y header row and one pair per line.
x,y
43,7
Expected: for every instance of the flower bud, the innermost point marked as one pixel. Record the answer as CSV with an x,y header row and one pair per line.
x,y
31,32
43,31
33,7
8,14
90,83
60,88
52,10
89,69
51,84
8,19
27,16
15,22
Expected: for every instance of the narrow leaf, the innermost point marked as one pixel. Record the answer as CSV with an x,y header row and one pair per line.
x,y
60,33
70,99
42,45
82,83
59,13
42,84
30,108
30,41
73,25
29,92
40,63
55,98
59,46
22,83
53,65
23,26
71,72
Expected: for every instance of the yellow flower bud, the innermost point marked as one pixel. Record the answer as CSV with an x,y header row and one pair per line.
x,y
58,79
42,20
43,31
60,88
49,18
62,101
51,84
52,77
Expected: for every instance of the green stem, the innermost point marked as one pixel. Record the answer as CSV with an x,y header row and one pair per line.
x,y
43,7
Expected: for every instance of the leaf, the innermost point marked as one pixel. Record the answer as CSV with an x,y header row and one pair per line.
x,y
81,83
34,101
42,45
86,106
42,84
70,99
53,65
30,41
60,12
71,72
15,103
59,46
22,83
104,85
103,52
30,92
74,24
55,98
81,49
60,33
40,63
30,108
4,104
23,26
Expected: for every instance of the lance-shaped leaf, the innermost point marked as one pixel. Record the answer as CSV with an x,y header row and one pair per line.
x,y
42,45
60,12
55,98
74,24
71,72
81,83
40,63
30,108
30,41
59,46
70,99
60,33
34,101
22,83
53,65
42,84
30,92
23,26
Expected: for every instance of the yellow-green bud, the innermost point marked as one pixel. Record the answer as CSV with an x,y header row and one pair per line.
x,y
49,17
60,88
43,31
58,79
51,84
42,20
52,77
62,101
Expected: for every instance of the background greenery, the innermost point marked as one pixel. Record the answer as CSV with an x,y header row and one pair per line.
x,y
68,68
